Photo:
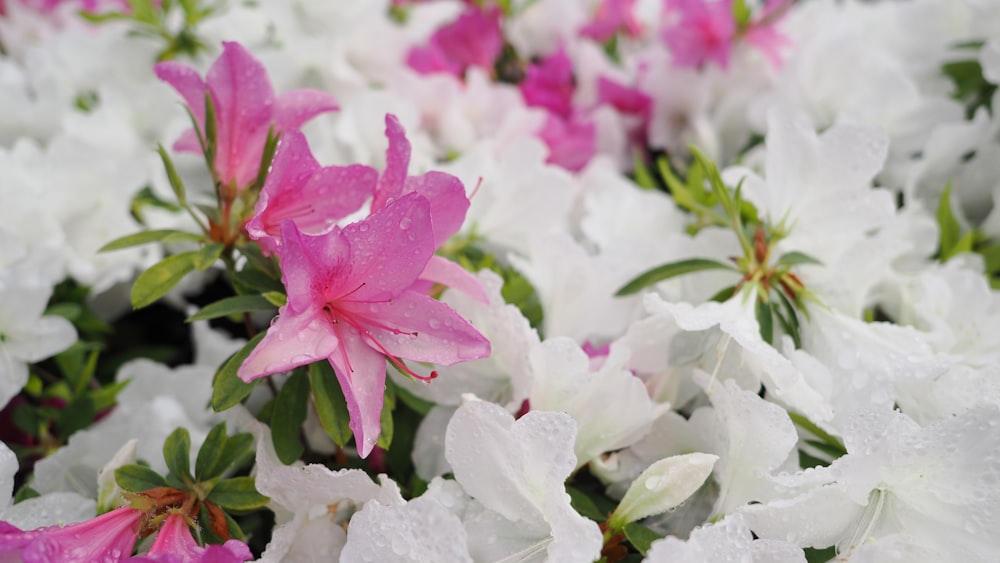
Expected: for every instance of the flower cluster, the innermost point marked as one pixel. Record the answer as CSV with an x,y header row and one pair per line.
x,y
499,280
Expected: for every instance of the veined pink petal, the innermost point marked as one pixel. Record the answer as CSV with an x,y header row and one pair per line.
x,y
397,162
188,84
417,327
244,105
361,373
291,168
389,249
291,341
313,266
293,109
108,537
175,544
448,202
188,142
445,272
335,192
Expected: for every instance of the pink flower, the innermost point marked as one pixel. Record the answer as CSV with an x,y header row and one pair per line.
x,y
474,39
109,537
299,190
612,16
572,143
175,544
707,31
549,84
351,302
245,109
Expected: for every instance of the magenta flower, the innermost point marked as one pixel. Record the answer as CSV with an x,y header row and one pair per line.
x,y
474,39
245,109
175,544
611,17
108,537
549,84
299,190
572,143
707,31
351,301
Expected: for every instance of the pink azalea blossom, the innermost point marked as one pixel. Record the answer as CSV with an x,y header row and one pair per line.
x,y
572,143
611,17
351,302
474,39
175,544
448,206
549,84
299,189
245,109
707,31
108,537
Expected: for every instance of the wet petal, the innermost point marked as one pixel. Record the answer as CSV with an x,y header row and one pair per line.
x,y
291,341
361,373
293,109
397,161
445,272
448,201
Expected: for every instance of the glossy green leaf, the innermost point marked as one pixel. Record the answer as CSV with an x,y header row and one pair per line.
x,y
155,282
137,478
176,183
667,271
177,454
290,409
640,536
765,320
330,403
211,451
146,237
232,306
949,229
795,258
227,388
208,255
237,494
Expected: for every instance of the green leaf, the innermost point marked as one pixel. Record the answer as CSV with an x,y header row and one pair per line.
x,y
275,298
640,536
643,177
76,415
583,504
238,494
211,130
330,403
991,257
765,318
227,388
795,258
741,13
106,397
146,237
177,454
270,145
251,281
667,271
155,282
210,453
25,493
175,180
143,11
950,231
137,478
208,255
232,306
238,451
810,426
724,294
385,419
290,409
814,555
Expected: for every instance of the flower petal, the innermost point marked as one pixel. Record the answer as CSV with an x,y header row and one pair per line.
x,y
443,271
448,201
291,341
361,373
188,84
293,109
334,192
417,327
291,168
312,266
244,106
390,248
397,162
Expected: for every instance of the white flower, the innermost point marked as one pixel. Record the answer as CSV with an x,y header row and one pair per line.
x,y
728,540
516,470
46,510
610,404
26,336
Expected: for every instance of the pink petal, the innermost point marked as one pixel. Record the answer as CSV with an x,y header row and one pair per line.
x,y
244,106
293,109
431,59
188,84
571,143
445,272
291,341
337,191
397,162
474,39
417,327
549,84
188,142
389,249
361,373
448,202
291,168
314,267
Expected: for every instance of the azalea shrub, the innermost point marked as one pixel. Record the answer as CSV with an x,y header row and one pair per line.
x,y
499,280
